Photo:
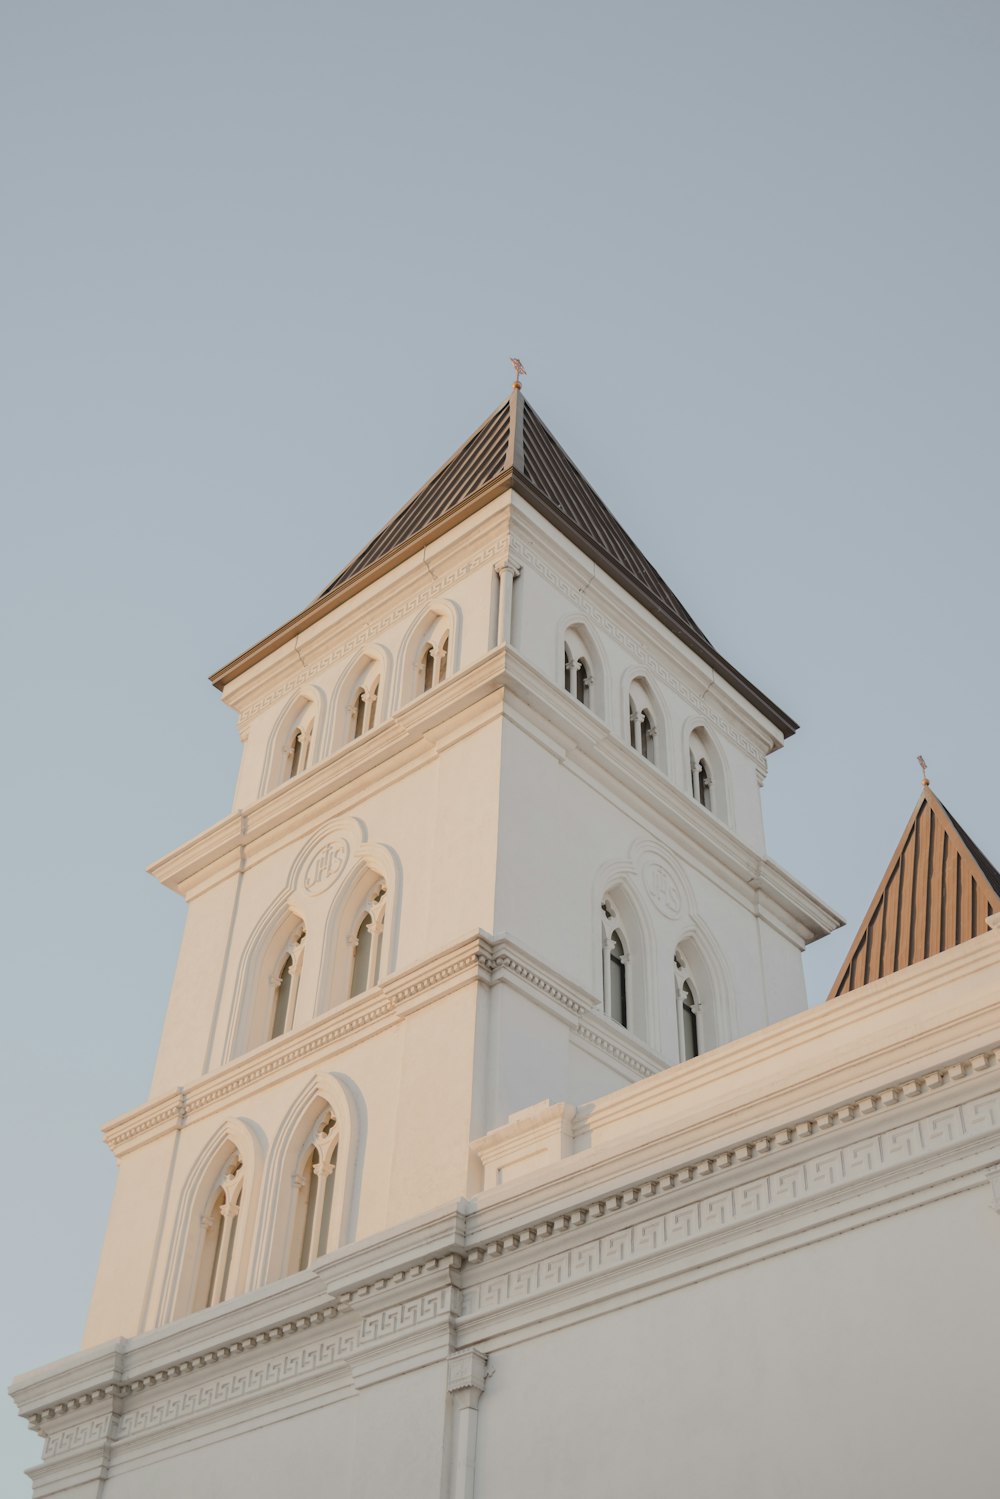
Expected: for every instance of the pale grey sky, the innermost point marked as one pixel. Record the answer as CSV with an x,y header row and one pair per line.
x,y
262,267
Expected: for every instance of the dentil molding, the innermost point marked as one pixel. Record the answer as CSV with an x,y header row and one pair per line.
x,y
673,1210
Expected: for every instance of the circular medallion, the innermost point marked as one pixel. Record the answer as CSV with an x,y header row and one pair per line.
x,y
326,866
662,888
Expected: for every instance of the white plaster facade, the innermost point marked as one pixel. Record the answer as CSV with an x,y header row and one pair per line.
x,y
557,1261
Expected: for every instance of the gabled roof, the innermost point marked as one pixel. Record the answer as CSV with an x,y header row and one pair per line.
x,y
937,892
513,449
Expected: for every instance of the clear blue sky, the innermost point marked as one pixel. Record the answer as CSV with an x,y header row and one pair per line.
x,y
262,267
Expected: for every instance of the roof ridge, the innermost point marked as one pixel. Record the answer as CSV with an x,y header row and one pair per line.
x,y
347,570
987,868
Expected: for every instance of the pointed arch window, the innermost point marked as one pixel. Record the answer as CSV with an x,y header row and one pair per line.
x,y
364,709
298,746
366,945
701,780
220,1223
640,726
315,1184
284,985
580,677
689,1013
707,780
616,995
434,663
577,677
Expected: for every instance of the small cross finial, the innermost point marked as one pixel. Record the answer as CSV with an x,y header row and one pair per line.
x,y
519,370
923,767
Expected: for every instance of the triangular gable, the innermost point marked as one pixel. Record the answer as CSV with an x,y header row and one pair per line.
x,y
937,892
513,449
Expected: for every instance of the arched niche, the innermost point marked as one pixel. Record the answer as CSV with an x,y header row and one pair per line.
x,y
645,719
431,651
361,701
282,931
286,1189
295,744
370,886
707,775
236,1138
581,668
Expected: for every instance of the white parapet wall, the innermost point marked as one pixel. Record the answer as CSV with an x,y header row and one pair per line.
x,y
770,1271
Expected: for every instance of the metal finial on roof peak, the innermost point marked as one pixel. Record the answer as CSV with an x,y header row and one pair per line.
x,y
519,370
923,768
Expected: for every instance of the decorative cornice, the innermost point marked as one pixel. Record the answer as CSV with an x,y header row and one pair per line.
x,y
689,1200
376,627
252,1371
286,1054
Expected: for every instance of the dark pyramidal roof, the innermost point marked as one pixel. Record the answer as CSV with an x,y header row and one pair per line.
x,y
938,891
513,449
514,439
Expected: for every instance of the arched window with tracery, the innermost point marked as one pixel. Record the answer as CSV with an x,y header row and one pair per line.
x,y
690,1030
581,671
641,723
315,1184
615,955
707,785
297,750
364,709
433,667
577,676
220,1225
366,944
284,983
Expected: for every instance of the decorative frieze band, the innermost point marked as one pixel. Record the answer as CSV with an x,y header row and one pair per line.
x,y
468,1292
374,628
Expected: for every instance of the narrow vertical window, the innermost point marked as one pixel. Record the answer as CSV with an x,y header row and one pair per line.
x,y
688,1012
570,670
366,966
618,998
583,682
701,781
632,722
362,956
282,996
428,668
442,660
358,713
372,703
645,736
318,1184
220,1223
283,987
295,757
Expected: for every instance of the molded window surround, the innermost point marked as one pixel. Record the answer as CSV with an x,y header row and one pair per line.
x,y
642,725
580,674
705,768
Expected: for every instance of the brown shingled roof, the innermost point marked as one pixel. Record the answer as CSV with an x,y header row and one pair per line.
x,y
938,891
513,449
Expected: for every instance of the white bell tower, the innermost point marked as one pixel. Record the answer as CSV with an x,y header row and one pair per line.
x,y
496,850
